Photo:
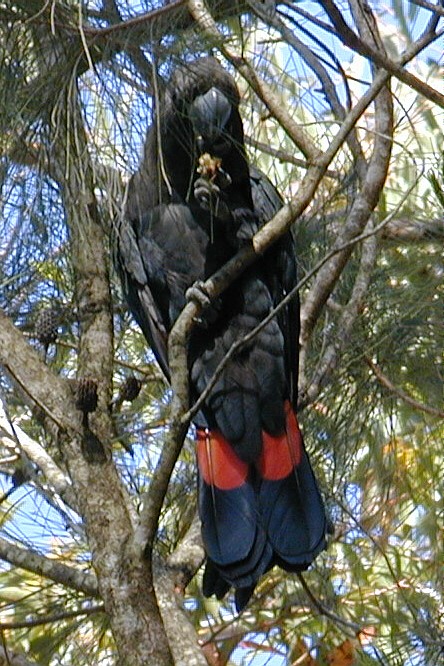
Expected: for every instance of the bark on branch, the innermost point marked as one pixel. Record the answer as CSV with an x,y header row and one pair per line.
x,y
28,559
363,204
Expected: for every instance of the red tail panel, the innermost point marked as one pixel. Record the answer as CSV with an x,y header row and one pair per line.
x,y
281,454
218,463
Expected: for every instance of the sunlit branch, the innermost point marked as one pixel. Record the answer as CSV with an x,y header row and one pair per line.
x,y
29,559
16,437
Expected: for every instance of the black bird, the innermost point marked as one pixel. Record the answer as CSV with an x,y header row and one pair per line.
x,y
193,203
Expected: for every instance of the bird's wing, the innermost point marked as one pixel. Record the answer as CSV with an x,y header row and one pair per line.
x,y
281,270
134,277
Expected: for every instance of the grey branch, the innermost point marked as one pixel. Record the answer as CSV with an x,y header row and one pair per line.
x,y
30,560
180,632
409,230
189,555
378,56
37,382
343,329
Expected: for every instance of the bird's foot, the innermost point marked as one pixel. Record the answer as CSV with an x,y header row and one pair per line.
x,y
198,294
209,197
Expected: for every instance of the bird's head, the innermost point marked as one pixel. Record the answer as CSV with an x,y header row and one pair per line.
x,y
210,115
206,96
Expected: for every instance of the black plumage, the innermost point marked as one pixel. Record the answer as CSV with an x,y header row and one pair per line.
x,y
193,203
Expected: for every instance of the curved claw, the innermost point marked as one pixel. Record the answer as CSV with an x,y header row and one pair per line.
x,y
210,309
198,294
206,192
223,179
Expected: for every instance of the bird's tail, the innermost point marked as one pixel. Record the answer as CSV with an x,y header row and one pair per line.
x,y
255,516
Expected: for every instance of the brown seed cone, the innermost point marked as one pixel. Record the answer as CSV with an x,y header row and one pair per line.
x,y
130,388
46,326
86,395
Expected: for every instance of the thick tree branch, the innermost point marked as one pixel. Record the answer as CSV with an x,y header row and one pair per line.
x,y
404,229
180,631
30,560
400,229
125,578
123,581
49,392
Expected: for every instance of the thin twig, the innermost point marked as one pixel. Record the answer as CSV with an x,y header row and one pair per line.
x,y
436,9
284,156
396,69
385,381
49,619
323,610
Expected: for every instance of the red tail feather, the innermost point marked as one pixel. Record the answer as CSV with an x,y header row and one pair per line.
x,y
218,463
281,454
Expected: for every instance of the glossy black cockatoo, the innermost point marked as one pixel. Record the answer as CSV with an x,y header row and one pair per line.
x,y
193,203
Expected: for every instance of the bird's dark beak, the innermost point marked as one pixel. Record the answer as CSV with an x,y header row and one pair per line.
x,y
209,115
